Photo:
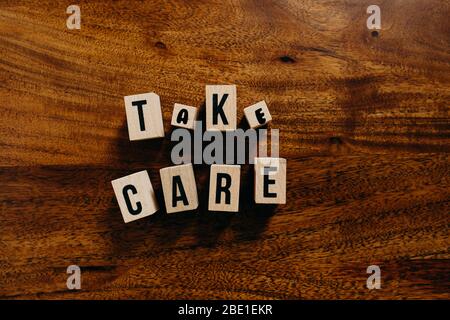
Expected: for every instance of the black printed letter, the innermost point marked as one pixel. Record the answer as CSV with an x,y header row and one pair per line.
x,y
183,116
133,190
139,104
218,108
177,184
260,116
225,188
268,181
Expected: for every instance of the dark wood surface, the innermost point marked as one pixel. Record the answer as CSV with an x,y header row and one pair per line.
x,y
363,119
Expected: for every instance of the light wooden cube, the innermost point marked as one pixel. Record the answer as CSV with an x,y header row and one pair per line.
x,y
224,184
144,116
184,116
270,180
135,196
179,188
257,115
221,107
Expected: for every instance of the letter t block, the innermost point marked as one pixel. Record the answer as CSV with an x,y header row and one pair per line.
x,y
144,116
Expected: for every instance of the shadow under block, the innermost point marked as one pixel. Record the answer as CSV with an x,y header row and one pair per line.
x,y
224,184
135,196
270,180
184,116
144,116
221,107
257,115
179,188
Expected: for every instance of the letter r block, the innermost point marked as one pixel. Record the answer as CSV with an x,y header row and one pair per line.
x,y
144,116
270,180
184,116
221,107
224,184
135,196
257,115
179,188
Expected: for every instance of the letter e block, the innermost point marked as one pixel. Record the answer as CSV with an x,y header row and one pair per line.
x,y
224,184
179,188
221,107
144,116
184,116
270,180
135,196
257,115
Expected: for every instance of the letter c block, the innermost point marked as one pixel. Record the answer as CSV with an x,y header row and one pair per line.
x,y
144,116
135,196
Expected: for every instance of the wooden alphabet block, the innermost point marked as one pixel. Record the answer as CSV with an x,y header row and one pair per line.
x,y
184,116
257,115
221,107
270,180
224,187
179,188
144,116
135,196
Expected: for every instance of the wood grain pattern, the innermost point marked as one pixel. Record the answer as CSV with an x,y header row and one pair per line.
x,y
364,125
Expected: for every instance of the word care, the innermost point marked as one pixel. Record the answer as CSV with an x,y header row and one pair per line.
x,y
135,194
137,199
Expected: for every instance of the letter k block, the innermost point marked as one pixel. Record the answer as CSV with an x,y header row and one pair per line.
x,y
221,107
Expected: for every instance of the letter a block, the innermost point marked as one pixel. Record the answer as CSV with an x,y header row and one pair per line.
x,y
184,116
135,196
144,117
179,188
221,107
257,115
270,180
224,186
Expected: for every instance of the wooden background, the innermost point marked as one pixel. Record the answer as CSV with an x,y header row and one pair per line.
x,y
363,119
